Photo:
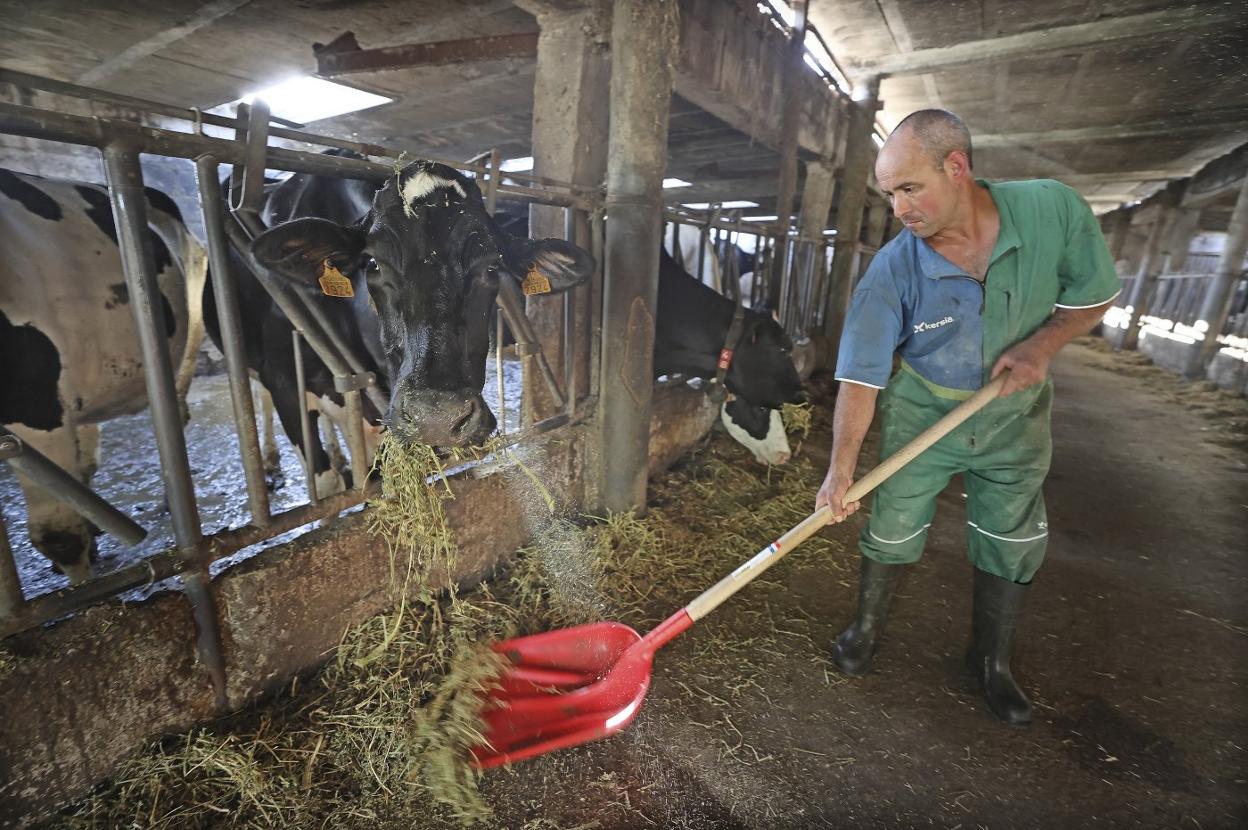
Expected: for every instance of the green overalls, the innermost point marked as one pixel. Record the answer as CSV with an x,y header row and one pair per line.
x,y
1049,253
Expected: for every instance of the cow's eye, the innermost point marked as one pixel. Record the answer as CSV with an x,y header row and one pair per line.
x,y
370,264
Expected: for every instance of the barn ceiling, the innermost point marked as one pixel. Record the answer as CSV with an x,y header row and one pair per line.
x,y
1115,117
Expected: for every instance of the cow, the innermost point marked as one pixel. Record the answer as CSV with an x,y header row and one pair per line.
x,y
68,336
423,259
692,324
691,328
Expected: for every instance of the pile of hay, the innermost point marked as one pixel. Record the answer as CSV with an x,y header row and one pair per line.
x,y
379,738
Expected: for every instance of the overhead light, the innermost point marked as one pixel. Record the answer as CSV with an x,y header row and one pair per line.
x,y
879,142
760,218
517,165
307,99
676,183
739,203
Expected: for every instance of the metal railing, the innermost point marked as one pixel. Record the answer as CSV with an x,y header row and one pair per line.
x,y
121,141
804,275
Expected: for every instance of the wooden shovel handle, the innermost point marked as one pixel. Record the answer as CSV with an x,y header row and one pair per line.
x,y
714,596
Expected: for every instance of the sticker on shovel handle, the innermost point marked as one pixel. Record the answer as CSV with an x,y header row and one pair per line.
x,y
333,283
535,283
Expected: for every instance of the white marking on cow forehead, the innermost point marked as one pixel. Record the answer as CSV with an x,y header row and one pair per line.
x,y
421,183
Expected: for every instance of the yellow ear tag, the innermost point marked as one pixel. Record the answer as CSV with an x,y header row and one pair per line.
x,y
333,283
535,283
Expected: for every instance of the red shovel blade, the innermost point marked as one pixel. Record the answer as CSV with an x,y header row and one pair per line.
x,y
566,687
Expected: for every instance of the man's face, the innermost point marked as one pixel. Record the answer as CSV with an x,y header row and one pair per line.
x,y
924,196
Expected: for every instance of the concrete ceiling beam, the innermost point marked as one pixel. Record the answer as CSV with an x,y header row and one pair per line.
x,y
1155,129
1095,34
343,56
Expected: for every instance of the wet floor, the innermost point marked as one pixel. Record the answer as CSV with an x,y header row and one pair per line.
x,y
129,479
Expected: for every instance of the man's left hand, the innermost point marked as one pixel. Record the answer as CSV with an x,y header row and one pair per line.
x,y
1028,364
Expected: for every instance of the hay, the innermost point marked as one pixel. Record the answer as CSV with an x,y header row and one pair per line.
x,y
379,738
797,418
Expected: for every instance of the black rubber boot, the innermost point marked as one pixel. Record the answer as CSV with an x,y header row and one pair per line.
x,y
854,649
998,603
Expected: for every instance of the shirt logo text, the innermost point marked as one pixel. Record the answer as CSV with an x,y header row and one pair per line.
x,y
921,327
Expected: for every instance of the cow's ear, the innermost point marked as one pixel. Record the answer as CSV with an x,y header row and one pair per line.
x,y
548,266
299,249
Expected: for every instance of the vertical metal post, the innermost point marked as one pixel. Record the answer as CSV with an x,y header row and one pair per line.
x,y
125,188
305,417
11,599
569,323
491,186
225,295
355,439
498,370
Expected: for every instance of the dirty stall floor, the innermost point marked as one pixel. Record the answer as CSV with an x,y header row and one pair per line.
x,y
1133,646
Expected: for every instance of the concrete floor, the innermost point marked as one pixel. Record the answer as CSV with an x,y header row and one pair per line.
x,y
1133,648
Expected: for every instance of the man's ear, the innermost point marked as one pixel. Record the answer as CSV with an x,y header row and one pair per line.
x,y
548,266
298,249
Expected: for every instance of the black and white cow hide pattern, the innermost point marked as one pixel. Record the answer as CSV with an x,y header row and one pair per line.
x,y
67,333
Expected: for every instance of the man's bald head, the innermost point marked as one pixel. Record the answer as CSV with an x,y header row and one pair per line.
x,y
937,133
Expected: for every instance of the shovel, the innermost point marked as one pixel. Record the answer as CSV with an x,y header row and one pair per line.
x,y
580,684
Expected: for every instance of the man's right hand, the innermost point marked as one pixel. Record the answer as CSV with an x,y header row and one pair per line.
x,y
832,493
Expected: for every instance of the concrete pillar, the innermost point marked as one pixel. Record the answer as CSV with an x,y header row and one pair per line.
x,y
1119,224
570,118
1216,306
790,118
877,225
850,203
1150,269
816,204
817,198
1183,230
644,37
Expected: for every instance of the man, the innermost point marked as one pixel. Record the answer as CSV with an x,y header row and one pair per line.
x,y
984,278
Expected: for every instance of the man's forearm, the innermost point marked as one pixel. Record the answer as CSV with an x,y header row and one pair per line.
x,y
855,408
1065,325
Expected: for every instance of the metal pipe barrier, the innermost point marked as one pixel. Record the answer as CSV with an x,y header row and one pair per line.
x,y
121,142
225,296
67,489
125,190
11,599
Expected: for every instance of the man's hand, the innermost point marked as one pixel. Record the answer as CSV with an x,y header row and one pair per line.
x,y
1028,363
832,493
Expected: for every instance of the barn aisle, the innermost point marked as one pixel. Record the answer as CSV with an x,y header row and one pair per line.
x,y
1133,649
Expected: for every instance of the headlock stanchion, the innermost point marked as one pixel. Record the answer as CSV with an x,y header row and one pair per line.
x,y
121,141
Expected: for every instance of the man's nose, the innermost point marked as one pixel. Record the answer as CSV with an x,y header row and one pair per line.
x,y
899,207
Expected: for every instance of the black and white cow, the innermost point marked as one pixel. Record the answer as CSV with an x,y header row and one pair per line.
x,y
424,259
71,356
691,328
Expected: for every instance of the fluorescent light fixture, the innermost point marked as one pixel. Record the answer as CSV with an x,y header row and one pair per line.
x,y
520,165
760,218
667,183
739,203
782,9
307,99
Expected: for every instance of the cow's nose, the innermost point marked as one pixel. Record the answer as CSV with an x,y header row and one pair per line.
x,y
473,423
782,458
441,418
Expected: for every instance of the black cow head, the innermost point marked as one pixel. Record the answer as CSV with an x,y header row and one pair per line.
x,y
762,371
433,258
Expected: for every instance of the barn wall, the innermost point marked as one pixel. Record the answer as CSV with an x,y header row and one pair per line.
x,y
83,695
1228,373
